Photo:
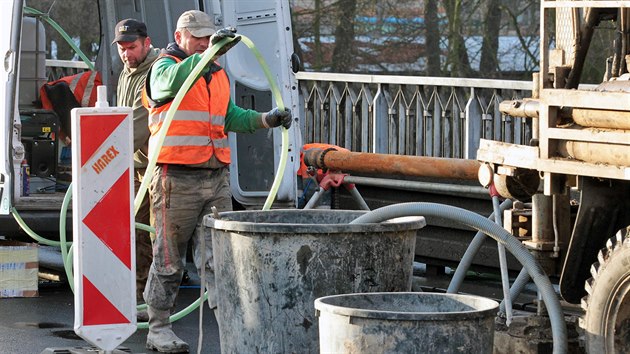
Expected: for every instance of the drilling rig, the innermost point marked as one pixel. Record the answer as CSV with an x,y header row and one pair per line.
x,y
578,159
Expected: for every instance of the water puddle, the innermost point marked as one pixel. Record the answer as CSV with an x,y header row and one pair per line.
x,y
39,325
62,333
66,334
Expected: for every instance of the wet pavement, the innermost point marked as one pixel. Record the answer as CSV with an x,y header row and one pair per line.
x,y
44,324
33,325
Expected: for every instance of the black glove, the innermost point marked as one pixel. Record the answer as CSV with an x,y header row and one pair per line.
x,y
276,118
227,32
223,33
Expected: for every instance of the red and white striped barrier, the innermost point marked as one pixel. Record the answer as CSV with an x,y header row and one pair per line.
x,y
103,224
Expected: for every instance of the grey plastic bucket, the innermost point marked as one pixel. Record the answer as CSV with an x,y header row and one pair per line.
x,y
406,323
270,266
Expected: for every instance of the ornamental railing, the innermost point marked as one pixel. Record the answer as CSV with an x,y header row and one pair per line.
x,y
409,115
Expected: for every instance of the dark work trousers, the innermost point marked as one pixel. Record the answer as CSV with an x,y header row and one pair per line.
x,y
180,197
144,249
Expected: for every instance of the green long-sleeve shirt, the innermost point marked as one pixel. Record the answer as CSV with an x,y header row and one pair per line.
x,y
167,76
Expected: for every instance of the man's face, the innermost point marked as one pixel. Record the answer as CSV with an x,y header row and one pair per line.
x,y
189,43
133,53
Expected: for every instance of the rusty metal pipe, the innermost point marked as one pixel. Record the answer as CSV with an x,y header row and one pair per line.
x,y
386,164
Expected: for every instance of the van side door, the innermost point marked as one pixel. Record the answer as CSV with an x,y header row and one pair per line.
x,y
10,30
255,157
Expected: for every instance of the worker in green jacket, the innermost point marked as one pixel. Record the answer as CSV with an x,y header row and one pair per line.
x,y
192,172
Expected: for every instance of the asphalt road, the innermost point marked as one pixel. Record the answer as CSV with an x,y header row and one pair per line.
x,y
45,323
33,325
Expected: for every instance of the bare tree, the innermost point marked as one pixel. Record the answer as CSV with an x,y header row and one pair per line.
x,y
512,16
433,37
457,60
312,22
432,26
79,19
317,34
342,58
488,64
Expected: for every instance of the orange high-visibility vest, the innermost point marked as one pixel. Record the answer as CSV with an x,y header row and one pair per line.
x,y
196,131
82,85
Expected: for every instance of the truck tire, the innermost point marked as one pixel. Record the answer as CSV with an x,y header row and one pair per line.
x,y
606,321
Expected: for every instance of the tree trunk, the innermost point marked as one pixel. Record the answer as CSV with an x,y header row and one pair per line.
x,y
432,47
488,65
343,58
457,58
317,57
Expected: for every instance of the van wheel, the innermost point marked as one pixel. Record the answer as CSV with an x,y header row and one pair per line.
x,y
606,322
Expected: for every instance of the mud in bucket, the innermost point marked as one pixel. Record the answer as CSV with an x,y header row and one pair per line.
x,y
270,266
406,323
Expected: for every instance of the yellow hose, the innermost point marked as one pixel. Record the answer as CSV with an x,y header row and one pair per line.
x,y
153,153
55,25
285,132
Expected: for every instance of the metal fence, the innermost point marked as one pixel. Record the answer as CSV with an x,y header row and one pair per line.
x,y
56,69
404,115
409,115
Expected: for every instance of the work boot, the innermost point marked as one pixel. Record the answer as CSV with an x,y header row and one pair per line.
x,y
161,336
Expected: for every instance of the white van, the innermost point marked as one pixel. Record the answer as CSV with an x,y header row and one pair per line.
x,y
35,174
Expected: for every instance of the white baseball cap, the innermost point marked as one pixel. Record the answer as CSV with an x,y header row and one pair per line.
x,y
198,23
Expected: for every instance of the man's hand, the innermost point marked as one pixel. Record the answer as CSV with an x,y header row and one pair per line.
x,y
276,118
227,32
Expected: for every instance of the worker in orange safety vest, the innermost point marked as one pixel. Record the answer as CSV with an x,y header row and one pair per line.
x,y
69,92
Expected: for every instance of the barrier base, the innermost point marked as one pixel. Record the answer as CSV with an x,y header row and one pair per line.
x,y
84,350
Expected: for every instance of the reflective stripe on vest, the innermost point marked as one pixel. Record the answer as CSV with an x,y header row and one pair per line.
x,y
196,131
89,86
194,141
187,115
82,85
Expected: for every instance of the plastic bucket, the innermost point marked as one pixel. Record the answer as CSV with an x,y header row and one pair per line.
x,y
270,266
406,323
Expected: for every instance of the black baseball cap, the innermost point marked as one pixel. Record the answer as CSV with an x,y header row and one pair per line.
x,y
129,30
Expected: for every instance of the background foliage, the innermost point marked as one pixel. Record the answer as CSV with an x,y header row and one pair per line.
x,y
456,38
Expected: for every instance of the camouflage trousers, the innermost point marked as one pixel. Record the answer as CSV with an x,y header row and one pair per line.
x,y
180,198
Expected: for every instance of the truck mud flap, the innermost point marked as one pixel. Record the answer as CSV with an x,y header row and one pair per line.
x,y
604,209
